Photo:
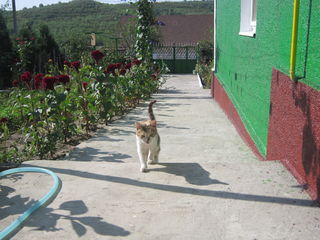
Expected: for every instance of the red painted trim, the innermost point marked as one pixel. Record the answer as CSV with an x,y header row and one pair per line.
x,y
222,98
294,130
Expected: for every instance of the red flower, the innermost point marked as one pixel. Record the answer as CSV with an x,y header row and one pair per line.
x,y
85,85
76,65
97,55
128,66
110,68
38,81
15,83
122,71
3,120
26,77
48,83
67,63
118,65
136,62
63,79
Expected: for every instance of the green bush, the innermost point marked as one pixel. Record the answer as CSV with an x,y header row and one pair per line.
x,y
205,62
205,73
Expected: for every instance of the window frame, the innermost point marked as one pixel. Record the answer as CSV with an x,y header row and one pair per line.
x,y
248,18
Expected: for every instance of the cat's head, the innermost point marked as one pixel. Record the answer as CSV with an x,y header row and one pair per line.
x,y
146,130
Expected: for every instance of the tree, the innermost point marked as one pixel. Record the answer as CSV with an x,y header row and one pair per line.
x,y
6,55
128,35
47,46
76,46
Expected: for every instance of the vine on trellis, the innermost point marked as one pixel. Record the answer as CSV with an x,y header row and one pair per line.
x,y
146,19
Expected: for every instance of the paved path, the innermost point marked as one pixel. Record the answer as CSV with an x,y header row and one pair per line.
x,y
208,186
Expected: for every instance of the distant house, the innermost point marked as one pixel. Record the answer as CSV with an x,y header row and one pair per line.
x,y
185,29
268,85
182,29
179,34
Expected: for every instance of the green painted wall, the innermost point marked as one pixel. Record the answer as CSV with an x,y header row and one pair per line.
x,y
308,63
244,64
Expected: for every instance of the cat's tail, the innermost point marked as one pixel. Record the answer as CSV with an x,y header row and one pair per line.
x,y
151,115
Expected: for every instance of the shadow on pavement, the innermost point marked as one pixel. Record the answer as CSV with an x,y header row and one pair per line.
x,y
170,91
47,219
92,154
15,204
188,190
192,172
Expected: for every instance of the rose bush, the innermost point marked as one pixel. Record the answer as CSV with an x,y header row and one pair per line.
x,y
97,55
47,109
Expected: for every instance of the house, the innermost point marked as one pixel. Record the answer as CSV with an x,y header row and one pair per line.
x,y
181,29
179,35
185,29
267,80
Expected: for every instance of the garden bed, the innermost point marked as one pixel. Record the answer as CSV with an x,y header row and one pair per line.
x,y
45,115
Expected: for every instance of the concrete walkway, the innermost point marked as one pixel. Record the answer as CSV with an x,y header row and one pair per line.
x,y
208,186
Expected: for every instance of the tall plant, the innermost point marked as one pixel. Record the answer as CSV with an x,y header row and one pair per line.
x,y
145,22
27,48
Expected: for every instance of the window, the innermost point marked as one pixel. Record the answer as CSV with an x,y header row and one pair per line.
x,y
248,19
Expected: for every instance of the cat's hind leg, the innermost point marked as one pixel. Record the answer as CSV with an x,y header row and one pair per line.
x,y
153,156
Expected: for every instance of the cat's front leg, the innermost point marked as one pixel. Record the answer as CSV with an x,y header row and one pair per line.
x,y
143,151
143,163
143,155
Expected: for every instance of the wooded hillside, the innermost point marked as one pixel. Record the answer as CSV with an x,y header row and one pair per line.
x,y
86,16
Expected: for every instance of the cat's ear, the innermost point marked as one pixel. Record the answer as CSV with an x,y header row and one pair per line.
x,y
153,123
138,125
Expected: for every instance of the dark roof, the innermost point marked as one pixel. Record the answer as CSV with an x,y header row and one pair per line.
x,y
183,29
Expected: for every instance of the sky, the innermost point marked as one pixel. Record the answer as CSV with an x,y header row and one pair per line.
x,y
20,4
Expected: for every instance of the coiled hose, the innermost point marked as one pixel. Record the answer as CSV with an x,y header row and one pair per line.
x,y
16,225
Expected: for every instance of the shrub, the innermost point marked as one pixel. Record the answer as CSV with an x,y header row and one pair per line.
x,y
205,62
205,73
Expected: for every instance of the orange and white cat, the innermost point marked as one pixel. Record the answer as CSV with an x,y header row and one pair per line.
x,y
148,141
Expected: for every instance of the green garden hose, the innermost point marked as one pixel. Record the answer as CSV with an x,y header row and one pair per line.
x,y
16,225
